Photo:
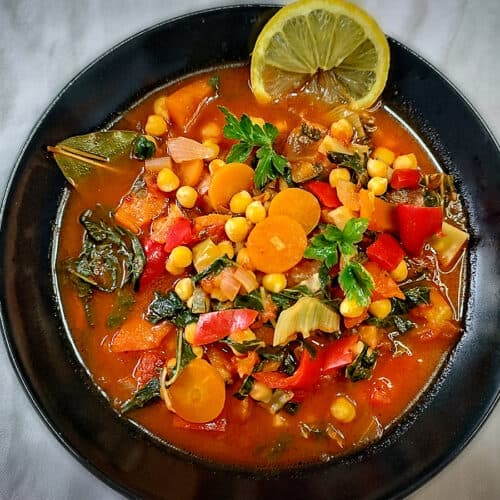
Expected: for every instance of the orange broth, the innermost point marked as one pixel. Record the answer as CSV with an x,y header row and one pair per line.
x,y
252,437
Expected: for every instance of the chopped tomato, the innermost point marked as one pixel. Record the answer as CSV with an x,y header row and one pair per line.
x,y
385,286
217,425
305,376
417,225
216,325
405,178
148,365
339,353
155,262
178,233
386,252
326,194
381,391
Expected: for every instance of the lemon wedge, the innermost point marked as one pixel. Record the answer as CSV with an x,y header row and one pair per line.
x,y
331,49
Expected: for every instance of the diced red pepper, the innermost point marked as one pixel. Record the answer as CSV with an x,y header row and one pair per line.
x,y
217,425
305,376
155,262
326,194
339,353
148,365
179,233
216,325
386,252
417,225
405,178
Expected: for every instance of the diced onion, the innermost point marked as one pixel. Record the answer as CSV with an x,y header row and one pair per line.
x,y
157,164
229,285
184,149
247,279
306,315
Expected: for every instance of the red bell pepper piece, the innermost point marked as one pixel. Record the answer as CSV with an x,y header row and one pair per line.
x,y
386,252
148,365
417,225
179,233
155,262
305,376
405,178
217,425
216,325
339,353
326,194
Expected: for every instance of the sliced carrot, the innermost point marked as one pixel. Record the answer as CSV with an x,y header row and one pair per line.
x,y
137,334
366,204
135,211
385,286
199,393
189,172
299,204
204,221
227,181
184,103
383,218
276,244
346,191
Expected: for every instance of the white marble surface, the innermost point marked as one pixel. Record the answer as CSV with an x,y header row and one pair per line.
x,y
44,44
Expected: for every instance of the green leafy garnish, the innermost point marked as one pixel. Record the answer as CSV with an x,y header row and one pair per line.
x,y
270,165
144,395
245,388
289,296
183,356
252,300
143,148
171,308
326,246
361,368
245,346
214,268
79,156
357,283
354,162
121,308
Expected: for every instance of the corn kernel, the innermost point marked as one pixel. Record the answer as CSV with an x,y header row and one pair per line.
x,y
377,185
274,282
181,256
400,273
243,259
239,202
209,143
167,181
369,335
237,228
214,165
376,168
350,308
226,248
186,196
343,410
405,161
172,269
189,332
339,174
212,131
257,120
380,308
341,216
384,154
155,125
255,212
260,392
184,288
197,351
342,130
160,108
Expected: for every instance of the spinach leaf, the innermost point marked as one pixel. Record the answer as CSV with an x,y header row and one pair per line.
x,y
214,82
252,300
246,387
245,346
183,356
354,162
143,148
214,268
291,407
144,395
121,308
361,367
414,297
311,132
287,297
169,307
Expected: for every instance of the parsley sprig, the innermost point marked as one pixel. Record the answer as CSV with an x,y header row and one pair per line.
x,y
270,164
355,281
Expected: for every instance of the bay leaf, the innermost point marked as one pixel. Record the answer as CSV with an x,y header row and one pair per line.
x,y
109,145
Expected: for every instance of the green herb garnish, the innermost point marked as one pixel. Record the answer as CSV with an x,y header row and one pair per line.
x,y
143,148
270,165
171,308
144,395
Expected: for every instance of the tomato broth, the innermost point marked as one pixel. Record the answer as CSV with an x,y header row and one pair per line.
x,y
250,434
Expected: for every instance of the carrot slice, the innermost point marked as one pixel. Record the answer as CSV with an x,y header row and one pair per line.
x,y
135,211
385,286
189,172
383,218
298,204
276,244
184,103
366,204
199,393
137,334
346,191
227,181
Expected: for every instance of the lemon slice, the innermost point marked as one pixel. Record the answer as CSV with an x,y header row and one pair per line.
x,y
329,48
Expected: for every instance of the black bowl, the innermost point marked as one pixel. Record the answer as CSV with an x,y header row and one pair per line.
x,y
429,436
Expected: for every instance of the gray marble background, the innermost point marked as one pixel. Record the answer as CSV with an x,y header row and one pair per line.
x,y
43,44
